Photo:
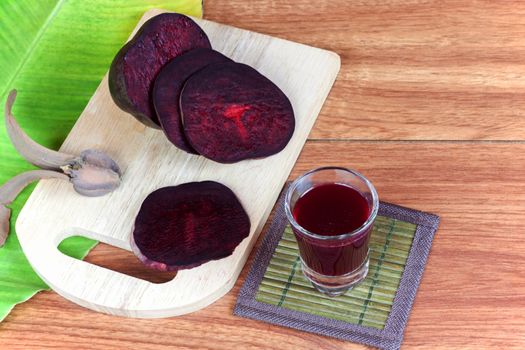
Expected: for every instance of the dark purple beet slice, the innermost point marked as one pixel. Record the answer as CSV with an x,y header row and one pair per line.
x,y
184,226
137,64
231,112
168,86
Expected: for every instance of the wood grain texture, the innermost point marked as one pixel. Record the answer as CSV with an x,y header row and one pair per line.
x,y
411,69
472,295
149,161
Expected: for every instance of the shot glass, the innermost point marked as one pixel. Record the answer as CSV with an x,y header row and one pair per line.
x,y
320,205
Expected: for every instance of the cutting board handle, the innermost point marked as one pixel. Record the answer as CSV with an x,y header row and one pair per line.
x,y
105,290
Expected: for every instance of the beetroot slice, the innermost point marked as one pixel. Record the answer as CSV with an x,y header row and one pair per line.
x,y
168,86
137,64
231,112
184,226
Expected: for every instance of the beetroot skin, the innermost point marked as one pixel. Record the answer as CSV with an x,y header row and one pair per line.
x,y
184,226
231,112
137,64
168,86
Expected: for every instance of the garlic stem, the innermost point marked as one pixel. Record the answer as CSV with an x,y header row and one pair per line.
x,y
12,188
34,153
93,173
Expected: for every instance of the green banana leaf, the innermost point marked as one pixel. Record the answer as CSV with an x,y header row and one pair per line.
x,y
55,52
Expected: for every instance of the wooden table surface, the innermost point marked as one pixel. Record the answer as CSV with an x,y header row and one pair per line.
x,y
430,105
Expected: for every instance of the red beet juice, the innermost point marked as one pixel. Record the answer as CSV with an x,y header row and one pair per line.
x,y
332,209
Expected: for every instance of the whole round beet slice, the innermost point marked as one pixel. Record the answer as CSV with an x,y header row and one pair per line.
x,y
184,226
137,64
168,86
231,112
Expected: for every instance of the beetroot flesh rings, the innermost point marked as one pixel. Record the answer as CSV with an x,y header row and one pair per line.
x,y
137,64
231,112
184,226
168,86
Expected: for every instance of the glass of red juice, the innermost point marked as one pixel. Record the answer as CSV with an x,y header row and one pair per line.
x,y
332,211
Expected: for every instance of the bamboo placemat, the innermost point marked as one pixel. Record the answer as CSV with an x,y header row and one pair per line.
x,y
373,313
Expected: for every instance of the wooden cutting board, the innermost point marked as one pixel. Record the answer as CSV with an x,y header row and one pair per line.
x,y
148,161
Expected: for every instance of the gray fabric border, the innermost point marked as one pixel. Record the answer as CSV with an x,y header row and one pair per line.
x,y
391,336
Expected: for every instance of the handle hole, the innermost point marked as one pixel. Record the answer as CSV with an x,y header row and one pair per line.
x,y
112,258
